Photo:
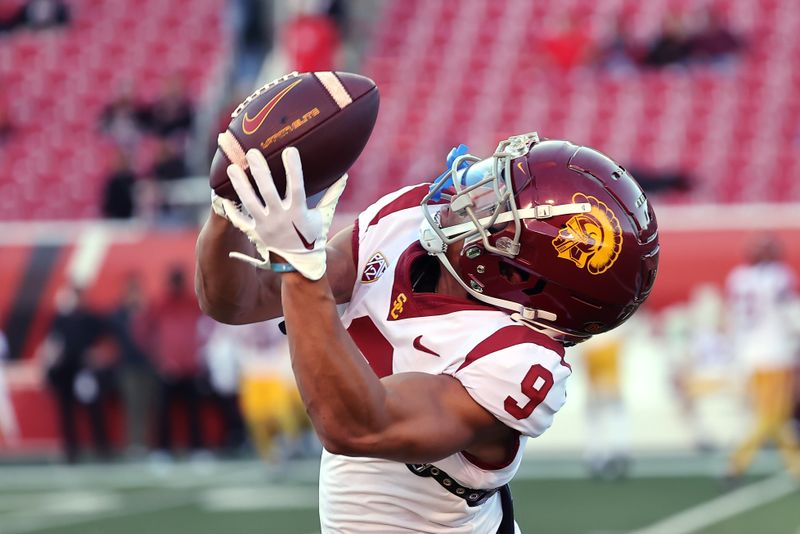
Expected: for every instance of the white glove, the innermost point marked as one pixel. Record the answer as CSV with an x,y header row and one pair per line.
x,y
218,205
286,227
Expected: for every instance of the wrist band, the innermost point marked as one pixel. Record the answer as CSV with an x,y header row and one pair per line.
x,y
282,268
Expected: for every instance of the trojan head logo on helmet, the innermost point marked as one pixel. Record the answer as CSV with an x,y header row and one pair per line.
x,y
591,240
558,234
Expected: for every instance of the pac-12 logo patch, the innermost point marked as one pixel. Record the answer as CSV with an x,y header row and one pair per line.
x,y
590,240
374,268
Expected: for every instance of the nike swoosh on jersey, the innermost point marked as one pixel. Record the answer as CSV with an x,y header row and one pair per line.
x,y
420,347
309,246
251,124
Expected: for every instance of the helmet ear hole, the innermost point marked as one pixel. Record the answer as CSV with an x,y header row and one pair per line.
x,y
513,275
536,289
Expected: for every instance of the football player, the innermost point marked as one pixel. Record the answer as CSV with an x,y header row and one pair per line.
x,y
608,447
462,296
760,295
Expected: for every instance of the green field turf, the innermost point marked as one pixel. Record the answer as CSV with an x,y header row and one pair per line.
x,y
246,498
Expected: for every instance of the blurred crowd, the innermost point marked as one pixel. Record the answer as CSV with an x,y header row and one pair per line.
x,y
166,123
687,38
182,385
310,39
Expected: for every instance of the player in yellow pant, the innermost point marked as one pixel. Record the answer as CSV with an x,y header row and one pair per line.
x,y
771,391
608,449
761,296
271,407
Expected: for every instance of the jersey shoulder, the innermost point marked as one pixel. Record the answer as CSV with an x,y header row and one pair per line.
x,y
408,197
368,225
519,375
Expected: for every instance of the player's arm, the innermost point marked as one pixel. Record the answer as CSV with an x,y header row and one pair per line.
x,y
234,292
409,417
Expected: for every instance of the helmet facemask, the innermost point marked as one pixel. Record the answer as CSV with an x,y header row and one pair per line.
x,y
482,203
483,197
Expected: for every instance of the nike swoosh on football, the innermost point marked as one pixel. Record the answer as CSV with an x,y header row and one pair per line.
x,y
309,246
420,347
250,125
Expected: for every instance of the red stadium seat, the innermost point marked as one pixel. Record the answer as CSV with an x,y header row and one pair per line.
x,y
708,122
69,75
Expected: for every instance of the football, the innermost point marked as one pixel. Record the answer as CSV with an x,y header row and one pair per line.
x,y
327,116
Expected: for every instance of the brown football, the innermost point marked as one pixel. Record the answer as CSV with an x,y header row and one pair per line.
x,y
327,116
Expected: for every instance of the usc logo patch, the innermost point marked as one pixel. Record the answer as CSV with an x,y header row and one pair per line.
x,y
590,240
397,307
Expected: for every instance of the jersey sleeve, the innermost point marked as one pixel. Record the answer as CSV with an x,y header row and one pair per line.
x,y
523,385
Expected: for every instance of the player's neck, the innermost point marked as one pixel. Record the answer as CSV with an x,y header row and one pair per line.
x,y
449,286
447,283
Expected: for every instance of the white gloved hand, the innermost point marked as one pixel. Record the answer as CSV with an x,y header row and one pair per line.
x,y
286,226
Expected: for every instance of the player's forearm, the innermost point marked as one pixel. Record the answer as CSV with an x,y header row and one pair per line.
x,y
227,290
344,398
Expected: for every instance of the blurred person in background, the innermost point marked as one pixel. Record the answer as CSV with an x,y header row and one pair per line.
x,y
760,295
33,14
567,46
311,38
135,373
171,115
713,42
671,46
702,364
173,326
9,430
170,163
618,53
271,404
608,445
9,14
119,200
222,352
44,14
75,330
122,120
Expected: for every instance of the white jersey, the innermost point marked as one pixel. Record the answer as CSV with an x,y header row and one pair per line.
x,y
760,295
515,373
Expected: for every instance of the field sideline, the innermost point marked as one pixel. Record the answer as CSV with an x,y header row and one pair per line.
x,y
663,496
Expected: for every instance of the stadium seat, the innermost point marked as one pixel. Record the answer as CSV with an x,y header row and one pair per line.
x,y
718,125
70,74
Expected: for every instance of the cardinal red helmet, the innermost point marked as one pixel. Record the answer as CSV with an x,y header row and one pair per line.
x,y
557,233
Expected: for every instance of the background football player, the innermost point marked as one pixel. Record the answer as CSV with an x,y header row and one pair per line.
x,y
462,297
761,294
608,444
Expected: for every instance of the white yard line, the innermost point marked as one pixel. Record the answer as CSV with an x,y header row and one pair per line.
x,y
724,507
33,522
